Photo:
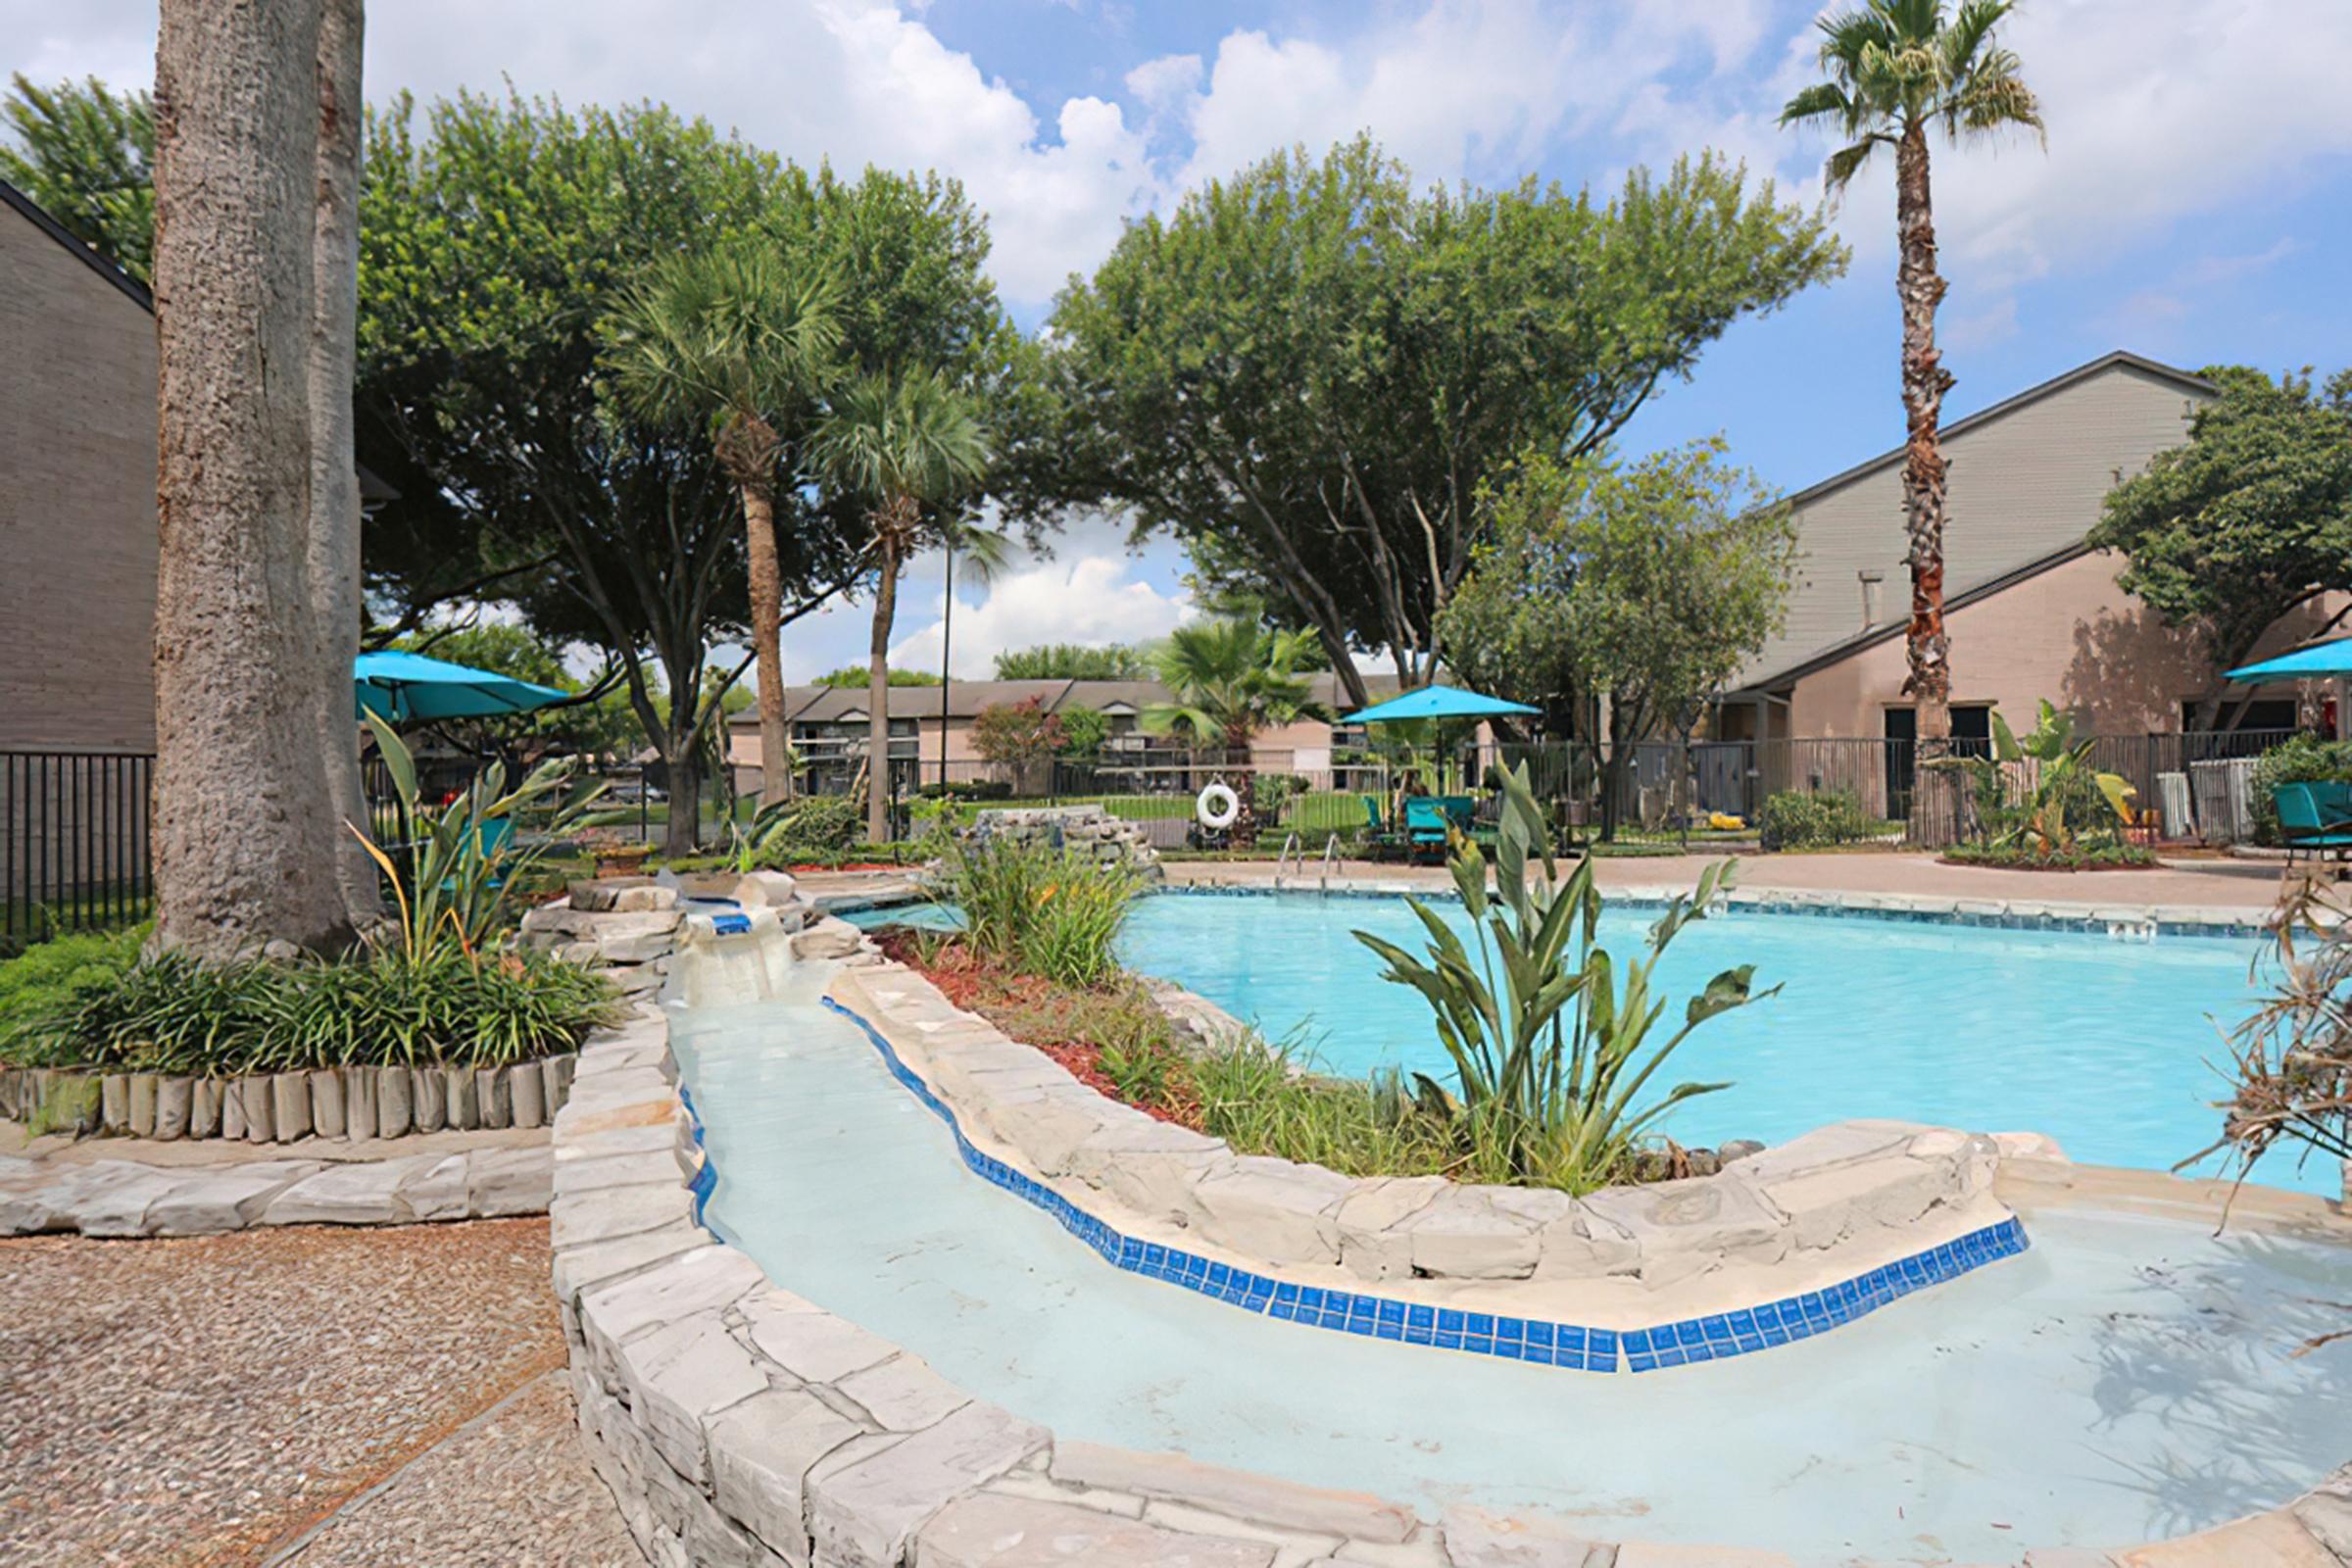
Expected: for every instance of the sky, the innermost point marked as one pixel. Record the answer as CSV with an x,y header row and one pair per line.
x,y
2194,202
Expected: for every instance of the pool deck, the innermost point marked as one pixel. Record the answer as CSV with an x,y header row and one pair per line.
x,y
2219,884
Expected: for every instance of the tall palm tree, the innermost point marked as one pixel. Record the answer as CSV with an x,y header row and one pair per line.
x,y
1896,68
1231,679
734,337
909,446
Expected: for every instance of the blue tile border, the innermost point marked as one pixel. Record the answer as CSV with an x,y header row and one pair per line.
x,y
1572,1347
2079,925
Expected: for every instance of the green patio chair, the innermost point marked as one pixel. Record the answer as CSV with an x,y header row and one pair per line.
x,y
1379,840
2315,819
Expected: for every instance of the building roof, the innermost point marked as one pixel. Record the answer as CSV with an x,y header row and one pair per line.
x,y
2060,506
373,492
840,705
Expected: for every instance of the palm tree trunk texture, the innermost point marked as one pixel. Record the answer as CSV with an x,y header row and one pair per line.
x,y
1925,381
748,446
334,542
878,686
245,837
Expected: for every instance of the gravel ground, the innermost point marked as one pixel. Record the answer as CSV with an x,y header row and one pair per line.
x,y
206,1402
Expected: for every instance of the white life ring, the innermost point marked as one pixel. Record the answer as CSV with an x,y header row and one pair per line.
x,y
1217,806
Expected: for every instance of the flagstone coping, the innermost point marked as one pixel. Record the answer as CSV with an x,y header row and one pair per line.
x,y
740,1424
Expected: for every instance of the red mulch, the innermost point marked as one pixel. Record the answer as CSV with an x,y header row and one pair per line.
x,y
1005,998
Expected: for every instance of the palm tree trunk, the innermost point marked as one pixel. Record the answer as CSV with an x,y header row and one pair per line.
x,y
746,446
334,542
1925,381
877,691
246,841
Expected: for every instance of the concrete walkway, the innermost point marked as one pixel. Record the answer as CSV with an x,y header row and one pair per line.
x,y
2207,883
217,1401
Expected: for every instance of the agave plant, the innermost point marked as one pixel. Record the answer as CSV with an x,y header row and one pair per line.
x,y
455,884
1550,1048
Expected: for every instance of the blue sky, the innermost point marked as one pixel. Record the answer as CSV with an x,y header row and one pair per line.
x,y
2194,203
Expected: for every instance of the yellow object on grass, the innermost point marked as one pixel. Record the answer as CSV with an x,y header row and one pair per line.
x,y
1725,822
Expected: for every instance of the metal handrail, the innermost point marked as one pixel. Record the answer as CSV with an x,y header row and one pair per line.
x,y
1290,845
1331,857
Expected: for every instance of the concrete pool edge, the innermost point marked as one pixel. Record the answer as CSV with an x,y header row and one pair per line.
x,y
1845,1203
735,1423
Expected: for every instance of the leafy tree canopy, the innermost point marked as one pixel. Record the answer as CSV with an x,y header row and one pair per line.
x,y
1075,662
1306,372
2250,518
87,155
852,677
1648,583
1017,732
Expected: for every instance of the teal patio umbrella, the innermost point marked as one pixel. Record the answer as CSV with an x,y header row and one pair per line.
x,y
1437,703
409,688
2331,660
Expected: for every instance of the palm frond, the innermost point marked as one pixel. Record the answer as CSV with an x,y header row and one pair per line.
x,y
1847,162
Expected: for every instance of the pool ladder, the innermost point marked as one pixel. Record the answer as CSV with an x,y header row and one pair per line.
x,y
1293,859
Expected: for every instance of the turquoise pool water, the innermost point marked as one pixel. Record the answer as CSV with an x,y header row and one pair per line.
x,y
2109,1046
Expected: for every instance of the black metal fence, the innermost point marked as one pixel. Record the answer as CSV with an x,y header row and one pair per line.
x,y
74,842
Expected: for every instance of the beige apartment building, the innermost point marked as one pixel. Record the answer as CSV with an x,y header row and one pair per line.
x,y
2031,612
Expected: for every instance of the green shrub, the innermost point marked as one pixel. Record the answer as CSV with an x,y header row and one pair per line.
x,y
174,1015
59,973
1271,793
1252,1093
1798,819
821,822
2297,760
2085,854
1052,912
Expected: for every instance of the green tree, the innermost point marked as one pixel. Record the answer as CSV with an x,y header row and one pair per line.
x,y
1021,736
2249,518
1084,730
482,400
87,155
910,447
1647,584
733,337
1229,679
849,677
1075,662
1895,68
1305,371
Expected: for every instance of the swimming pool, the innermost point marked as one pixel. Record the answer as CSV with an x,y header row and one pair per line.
x,y
2109,1046
2126,1379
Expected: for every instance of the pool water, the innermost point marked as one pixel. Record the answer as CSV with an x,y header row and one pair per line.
x,y
2113,1046
2126,1379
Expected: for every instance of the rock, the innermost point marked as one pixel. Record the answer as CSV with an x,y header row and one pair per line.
x,y
1704,1162
989,1530
634,948
142,1104
2326,1512
174,1103
232,1111
761,1452
359,1104
429,1099
632,895
204,1107
117,1203
556,1074
1375,1243
1476,1538
863,1514
580,1269
526,1094
358,1193
2029,1145
290,1105
1692,1226
495,1106
465,1109
1738,1148
1274,1210
114,1103
811,1343
1283,1504
259,1097
207,1202
504,1182
326,1103
1465,1233
395,1108
701,1279
681,1372
903,1393
765,889
435,1189
829,938
601,1216
2273,1539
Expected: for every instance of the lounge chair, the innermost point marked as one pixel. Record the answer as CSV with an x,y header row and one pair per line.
x,y
1426,821
1378,839
2315,819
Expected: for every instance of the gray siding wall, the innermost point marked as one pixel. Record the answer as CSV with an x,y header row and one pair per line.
x,y
2023,484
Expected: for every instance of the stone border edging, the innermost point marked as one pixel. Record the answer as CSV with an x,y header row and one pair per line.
x,y
124,1199
2135,921
738,1424
1812,1214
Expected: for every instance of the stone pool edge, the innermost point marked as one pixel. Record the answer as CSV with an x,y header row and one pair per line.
x,y
739,1424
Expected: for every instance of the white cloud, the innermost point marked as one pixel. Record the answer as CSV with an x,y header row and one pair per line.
x,y
1091,599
